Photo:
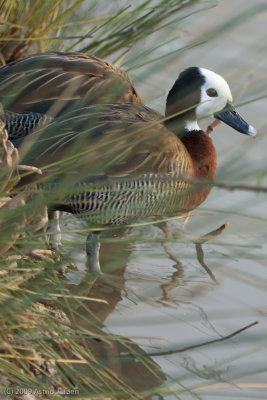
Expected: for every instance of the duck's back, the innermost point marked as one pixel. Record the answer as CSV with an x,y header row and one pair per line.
x,y
49,83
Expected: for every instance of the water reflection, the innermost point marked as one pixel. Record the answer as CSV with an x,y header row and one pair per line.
x,y
176,278
134,364
120,355
166,322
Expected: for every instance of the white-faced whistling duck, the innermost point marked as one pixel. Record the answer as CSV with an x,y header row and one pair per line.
x,y
113,160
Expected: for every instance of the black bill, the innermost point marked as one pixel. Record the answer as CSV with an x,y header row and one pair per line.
x,y
231,117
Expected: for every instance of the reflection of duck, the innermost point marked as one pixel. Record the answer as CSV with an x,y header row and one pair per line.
x,y
107,359
125,162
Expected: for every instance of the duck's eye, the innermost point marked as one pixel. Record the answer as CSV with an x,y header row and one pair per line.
x,y
212,92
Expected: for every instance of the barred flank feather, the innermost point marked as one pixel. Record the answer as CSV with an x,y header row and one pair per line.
x,y
21,125
124,200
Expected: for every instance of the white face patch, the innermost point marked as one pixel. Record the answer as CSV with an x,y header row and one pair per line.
x,y
209,104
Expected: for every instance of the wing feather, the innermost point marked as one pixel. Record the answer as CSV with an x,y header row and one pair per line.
x,y
42,82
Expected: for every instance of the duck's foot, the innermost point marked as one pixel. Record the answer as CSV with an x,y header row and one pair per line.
x,y
92,251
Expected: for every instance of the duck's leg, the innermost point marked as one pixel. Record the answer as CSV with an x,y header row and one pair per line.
x,y
92,251
54,229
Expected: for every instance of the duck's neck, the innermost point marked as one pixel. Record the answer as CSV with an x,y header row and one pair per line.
x,y
203,153
198,144
190,126
182,123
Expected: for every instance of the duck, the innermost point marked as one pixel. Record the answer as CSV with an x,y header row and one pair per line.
x,y
114,163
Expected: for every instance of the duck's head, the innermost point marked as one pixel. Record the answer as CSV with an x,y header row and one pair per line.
x,y
199,93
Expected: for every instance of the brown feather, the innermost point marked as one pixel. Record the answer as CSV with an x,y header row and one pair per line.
x,y
42,81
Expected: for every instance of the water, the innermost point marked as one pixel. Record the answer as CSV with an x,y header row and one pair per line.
x,y
160,296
